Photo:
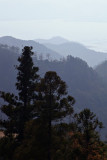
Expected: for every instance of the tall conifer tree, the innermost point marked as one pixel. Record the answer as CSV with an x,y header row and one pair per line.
x,y
26,77
54,104
19,109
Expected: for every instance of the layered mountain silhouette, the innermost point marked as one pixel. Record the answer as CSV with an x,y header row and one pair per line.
x,y
55,40
75,49
39,49
56,48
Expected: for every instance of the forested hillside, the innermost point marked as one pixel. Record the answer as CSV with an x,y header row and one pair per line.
x,y
39,49
75,49
83,82
101,69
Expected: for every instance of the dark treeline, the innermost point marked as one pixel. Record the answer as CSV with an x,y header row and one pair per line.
x,y
36,129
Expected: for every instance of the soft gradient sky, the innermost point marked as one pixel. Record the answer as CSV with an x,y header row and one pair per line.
x,y
77,20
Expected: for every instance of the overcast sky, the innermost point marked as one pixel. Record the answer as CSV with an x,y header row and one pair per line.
x,y
77,20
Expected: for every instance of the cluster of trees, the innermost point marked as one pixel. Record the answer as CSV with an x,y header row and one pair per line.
x,y
37,126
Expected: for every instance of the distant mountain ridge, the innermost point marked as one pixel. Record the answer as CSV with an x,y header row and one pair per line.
x,y
55,40
39,49
75,49
56,48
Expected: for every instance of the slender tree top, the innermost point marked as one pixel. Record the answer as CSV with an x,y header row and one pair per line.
x,y
27,76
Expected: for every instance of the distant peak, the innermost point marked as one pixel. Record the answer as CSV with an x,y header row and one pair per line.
x,y
53,40
7,37
58,37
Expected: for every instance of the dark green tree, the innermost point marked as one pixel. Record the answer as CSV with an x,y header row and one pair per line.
x,y
53,104
46,133
88,127
19,109
26,77
26,85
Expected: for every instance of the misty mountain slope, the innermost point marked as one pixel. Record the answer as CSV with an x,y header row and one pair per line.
x,y
38,48
92,57
83,82
78,76
8,60
101,69
54,40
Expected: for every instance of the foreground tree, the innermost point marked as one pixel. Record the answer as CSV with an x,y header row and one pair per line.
x,y
19,109
26,77
88,138
48,128
54,105
27,80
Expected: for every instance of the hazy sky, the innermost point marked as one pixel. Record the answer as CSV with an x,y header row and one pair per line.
x,y
77,20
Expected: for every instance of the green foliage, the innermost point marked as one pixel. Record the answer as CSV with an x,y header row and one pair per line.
x,y
34,145
53,105
19,109
89,140
26,77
